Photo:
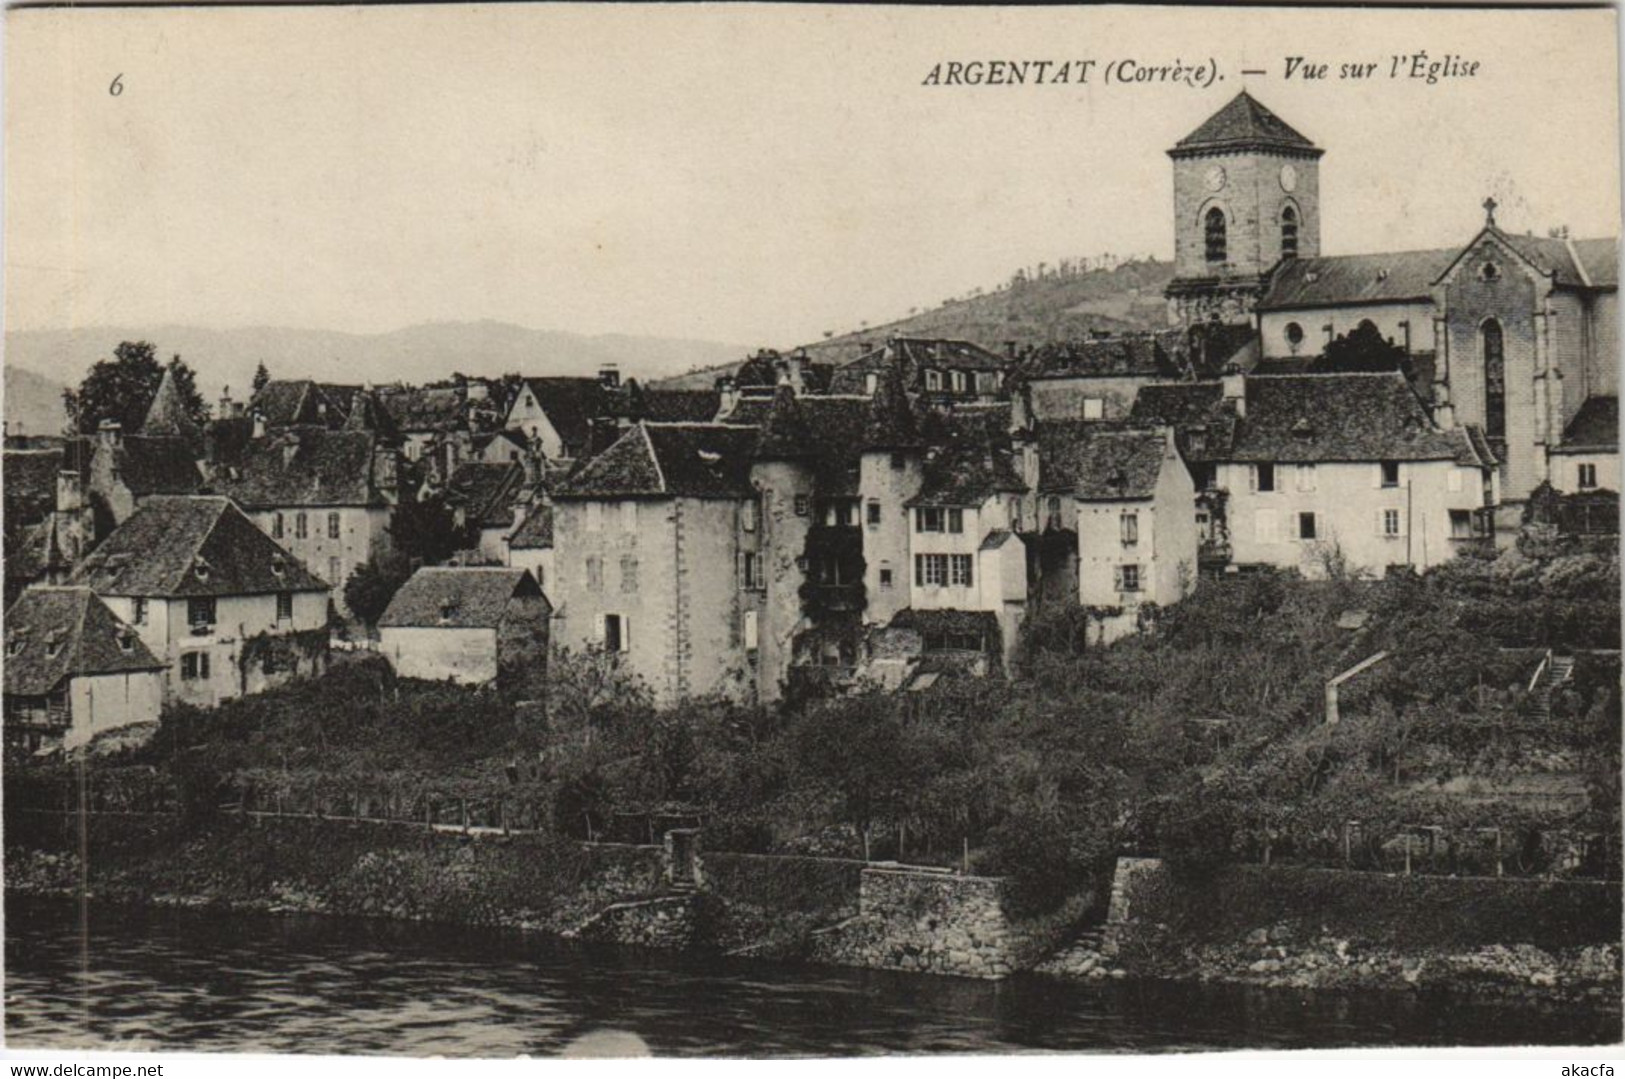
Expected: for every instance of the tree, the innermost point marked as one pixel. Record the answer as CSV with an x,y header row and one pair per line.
x,y
373,584
122,389
856,747
426,531
261,377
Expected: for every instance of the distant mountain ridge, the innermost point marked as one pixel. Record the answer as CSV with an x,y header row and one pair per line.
x,y
33,403
1030,309
416,354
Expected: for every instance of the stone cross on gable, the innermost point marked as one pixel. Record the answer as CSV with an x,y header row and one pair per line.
x,y
1489,211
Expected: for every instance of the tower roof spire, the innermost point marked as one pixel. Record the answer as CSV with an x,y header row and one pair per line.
x,y
1244,124
167,414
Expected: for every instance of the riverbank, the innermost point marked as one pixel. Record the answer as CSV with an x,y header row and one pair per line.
x,y
804,909
1328,929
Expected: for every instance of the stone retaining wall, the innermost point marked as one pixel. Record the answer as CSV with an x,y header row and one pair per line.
x,y
940,923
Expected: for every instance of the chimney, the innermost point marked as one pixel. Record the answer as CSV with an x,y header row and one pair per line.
x,y
609,376
259,424
70,492
1235,388
225,409
728,391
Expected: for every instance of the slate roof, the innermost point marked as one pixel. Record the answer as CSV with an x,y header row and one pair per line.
x,y
571,404
161,547
1595,427
1302,418
1572,263
1098,461
968,473
156,466
634,402
57,632
685,460
1145,354
284,402
416,410
535,532
1243,124
303,466
1337,280
167,415
459,597
838,427
1473,450
366,414
28,480
912,355
486,493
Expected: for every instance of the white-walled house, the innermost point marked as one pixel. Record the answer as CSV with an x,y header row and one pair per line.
x,y
470,624
226,609
530,546
1588,457
1329,473
73,670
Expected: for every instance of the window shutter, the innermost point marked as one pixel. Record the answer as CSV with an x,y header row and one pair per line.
x,y
626,634
600,633
1252,477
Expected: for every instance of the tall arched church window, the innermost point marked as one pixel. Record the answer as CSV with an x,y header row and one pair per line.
x,y
1214,232
1495,383
1289,233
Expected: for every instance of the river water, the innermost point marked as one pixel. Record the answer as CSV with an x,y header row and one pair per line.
x,y
157,979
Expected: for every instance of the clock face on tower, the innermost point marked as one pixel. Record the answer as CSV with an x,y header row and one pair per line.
x,y
1215,177
1289,178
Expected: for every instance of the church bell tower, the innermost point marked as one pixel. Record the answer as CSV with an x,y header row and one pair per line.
x,y
1246,196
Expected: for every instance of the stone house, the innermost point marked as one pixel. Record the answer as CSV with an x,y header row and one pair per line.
x,y
471,624
489,501
227,610
659,540
1127,496
938,369
1326,473
72,670
324,495
530,546
557,415
1097,379
965,553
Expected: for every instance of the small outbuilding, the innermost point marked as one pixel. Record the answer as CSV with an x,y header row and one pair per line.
x,y
471,624
74,670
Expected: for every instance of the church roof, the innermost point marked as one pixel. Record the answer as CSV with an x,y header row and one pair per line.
x,y
1337,280
1243,124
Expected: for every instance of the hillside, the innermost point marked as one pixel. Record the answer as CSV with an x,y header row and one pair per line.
x,y
1029,309
422,353
33,403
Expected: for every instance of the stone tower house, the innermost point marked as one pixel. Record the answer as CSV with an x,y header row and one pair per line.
x,y
1246,196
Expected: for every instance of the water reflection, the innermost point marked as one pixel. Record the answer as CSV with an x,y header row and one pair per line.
x,y
207,981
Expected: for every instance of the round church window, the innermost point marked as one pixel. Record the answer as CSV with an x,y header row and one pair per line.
x,y
1294,334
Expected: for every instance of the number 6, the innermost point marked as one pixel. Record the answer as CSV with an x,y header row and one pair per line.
x,y
118,85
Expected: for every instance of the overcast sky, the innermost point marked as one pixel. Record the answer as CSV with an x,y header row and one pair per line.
x,y
744,174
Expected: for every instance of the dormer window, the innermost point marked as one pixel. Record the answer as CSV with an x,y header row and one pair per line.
x,y
126,642
53,644
448,608
1303,430
200,569
14,647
